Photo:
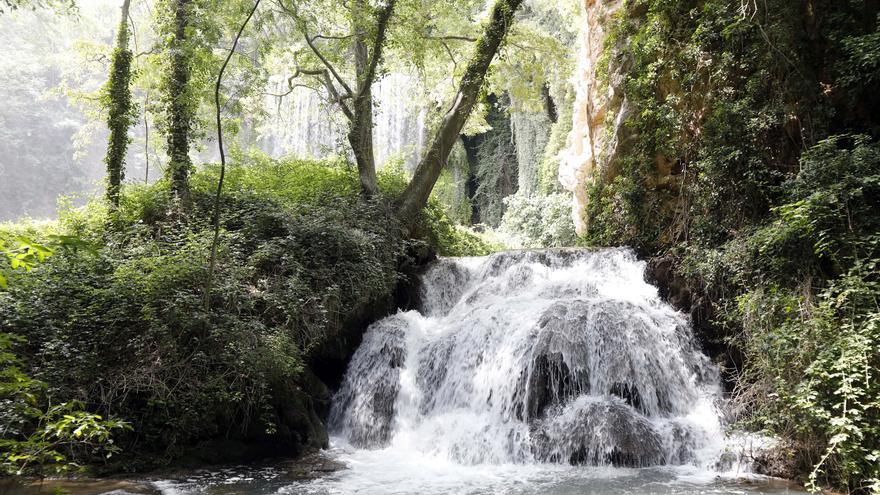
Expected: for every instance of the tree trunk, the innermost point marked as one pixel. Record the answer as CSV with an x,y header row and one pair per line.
x,y
119,117
415,197
360,134
181,111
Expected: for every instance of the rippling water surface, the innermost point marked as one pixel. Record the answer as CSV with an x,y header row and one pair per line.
x,y
384,472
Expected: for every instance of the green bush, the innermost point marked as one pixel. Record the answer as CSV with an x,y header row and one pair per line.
x,y
451,239
801,300
39,437
122,327
539,221
729,163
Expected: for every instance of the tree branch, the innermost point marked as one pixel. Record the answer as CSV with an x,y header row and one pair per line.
x,y
324,78
451,37
325,37
334,95
327,63
311,42
382,19
291,87
451,55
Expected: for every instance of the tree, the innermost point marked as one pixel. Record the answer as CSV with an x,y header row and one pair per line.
x,y
366,60
357,103
119,115
323,54
415,197
180,105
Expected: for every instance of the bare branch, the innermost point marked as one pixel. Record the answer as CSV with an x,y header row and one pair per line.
x,y
451,37
325,37
291,89
310,40
306,72
334,95
451,54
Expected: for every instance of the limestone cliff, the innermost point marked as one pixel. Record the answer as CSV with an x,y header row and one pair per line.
x,y
591,146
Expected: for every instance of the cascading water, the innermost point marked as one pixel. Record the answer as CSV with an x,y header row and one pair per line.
x,y
304,124
563,356
531,372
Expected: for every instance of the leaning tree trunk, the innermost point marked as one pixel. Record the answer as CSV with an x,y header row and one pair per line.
x,y
415,197
119,117
180,110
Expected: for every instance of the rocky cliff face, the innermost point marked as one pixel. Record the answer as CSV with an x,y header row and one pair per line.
x,y
591,145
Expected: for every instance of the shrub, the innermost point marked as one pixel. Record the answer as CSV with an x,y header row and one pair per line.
x,y
539,221
36,436
807,306
123,327
451,239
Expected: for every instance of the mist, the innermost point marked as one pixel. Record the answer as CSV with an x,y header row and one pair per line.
x,y
53,135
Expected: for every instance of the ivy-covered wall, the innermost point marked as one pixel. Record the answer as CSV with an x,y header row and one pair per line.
x,y
746,160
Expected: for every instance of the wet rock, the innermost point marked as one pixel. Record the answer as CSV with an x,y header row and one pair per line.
x,y
301,424
364,406
442,286
595,346
310,467
777,460
548,382
433,368
688,296
629,393
682,444
598,432
726,462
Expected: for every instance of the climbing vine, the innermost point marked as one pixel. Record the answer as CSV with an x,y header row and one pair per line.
x,y
121,113
748,157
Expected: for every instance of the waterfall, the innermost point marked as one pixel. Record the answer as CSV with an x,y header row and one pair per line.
x,y
301,123
399,120
304,124
534,357
531,131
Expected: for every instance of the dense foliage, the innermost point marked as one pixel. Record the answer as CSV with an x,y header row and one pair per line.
x,y
750,156
122,327
808,303
38,436
539,221
495,167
